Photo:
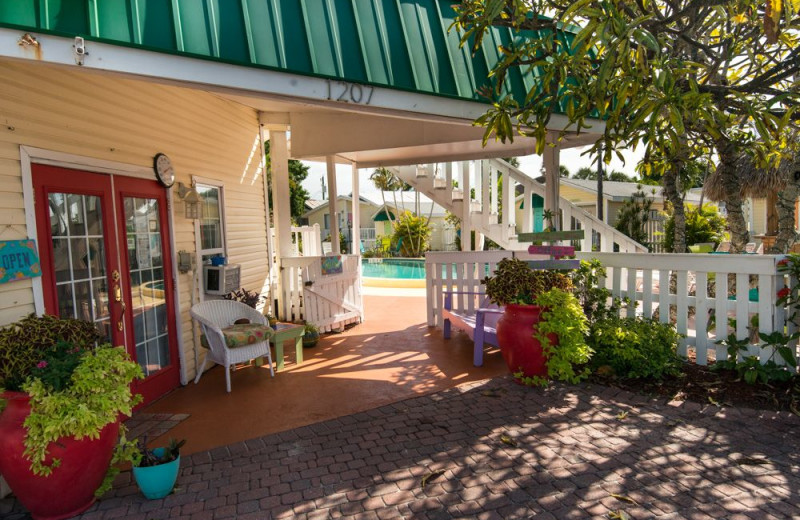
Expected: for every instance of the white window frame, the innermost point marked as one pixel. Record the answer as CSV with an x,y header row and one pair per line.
x,y
211,183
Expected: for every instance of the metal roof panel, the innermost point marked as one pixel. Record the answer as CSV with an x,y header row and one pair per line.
x,y
404,44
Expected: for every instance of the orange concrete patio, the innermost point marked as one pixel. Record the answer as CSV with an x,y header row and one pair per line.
x,y
392,356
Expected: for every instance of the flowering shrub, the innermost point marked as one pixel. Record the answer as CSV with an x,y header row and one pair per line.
x,y
60,361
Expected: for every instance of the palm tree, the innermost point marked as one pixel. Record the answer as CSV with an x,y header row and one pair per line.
x,y
385,180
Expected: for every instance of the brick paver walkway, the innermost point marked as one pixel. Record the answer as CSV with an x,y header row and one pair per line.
x,y
506,452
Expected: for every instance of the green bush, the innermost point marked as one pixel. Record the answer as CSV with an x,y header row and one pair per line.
x,y
635,347
702,225
415,232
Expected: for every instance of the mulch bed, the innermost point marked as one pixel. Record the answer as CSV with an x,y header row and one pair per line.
x,y
720,388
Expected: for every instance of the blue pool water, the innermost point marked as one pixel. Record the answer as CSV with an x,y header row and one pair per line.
x,y
405,269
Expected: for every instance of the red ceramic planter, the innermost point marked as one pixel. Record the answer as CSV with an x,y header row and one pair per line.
x,y
69,489
521,351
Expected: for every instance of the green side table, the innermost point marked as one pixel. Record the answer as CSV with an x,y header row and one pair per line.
x,y
284,332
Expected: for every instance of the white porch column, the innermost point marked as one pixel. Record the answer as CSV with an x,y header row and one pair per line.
x,y
356,225
551,162
466,208
332,202
279,159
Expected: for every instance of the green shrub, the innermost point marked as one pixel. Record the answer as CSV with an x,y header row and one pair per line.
x,y
415,233
702,225
26,342
635,347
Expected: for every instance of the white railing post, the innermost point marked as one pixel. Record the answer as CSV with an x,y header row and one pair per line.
x,y
509,220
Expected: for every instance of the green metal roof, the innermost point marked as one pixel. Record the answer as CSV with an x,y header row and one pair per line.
x,y
401,44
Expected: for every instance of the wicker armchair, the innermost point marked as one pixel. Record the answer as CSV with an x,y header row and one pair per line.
x,y
216,317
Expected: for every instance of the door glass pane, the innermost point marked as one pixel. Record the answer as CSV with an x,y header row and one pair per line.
x,y
76,215
79,259
143,239
58,215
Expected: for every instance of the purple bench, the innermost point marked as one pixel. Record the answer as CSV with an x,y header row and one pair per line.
x,y
479,324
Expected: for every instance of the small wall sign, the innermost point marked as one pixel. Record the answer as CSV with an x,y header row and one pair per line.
x,y
19,260
332,264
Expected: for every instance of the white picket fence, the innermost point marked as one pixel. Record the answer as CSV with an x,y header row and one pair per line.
x,y
644,279
329,301
306,240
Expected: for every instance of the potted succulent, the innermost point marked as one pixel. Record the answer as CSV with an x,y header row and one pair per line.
x,y
310,336
60,436
541,331
156,470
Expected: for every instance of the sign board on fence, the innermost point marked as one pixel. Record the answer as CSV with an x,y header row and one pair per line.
x,y
550,236
332,264
554,264
19,260
555,251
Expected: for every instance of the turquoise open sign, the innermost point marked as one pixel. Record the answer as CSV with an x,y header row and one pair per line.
x,y
19,260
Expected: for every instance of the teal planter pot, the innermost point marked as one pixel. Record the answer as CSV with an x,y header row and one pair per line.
x,y
157,481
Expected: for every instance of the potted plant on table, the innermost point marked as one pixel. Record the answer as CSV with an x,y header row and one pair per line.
x,y
60,436
541,331
156,470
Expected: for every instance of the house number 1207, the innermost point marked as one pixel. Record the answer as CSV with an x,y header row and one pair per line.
x,y
349,92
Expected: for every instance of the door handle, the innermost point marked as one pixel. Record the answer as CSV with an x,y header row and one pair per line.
x,y
118,298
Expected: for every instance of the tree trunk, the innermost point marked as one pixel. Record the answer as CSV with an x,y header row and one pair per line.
x,y
673,195
786,216
733,198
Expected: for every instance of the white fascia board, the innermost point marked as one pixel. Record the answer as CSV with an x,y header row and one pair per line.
x,y
227,78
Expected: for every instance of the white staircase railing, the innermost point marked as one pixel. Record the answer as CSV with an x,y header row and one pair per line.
x,y
491,186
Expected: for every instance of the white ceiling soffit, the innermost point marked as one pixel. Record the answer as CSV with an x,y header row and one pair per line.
x,y
371,140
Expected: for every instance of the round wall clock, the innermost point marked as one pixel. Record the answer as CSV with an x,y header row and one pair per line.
x,y
165,173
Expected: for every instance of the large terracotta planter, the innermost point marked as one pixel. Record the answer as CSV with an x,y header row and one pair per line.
x,y
521,351
69,489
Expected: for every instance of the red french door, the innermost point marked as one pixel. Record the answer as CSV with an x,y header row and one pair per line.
x,y
105,255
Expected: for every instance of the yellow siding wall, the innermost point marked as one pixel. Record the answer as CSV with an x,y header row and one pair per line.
x,y
97,116
577,196
759,209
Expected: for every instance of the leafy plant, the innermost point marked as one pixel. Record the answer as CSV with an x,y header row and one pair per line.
x,y
25,343
55,370
702,225
414,231
251,298
515,282
635,347
596,301
750,368
564,317
147,457
98,391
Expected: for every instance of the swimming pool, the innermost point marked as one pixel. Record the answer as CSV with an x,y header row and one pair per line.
x,y
393,272
398,272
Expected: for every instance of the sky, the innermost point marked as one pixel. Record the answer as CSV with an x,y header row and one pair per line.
x,y
531,164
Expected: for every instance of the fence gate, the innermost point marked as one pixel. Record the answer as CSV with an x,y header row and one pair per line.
x,y
330,300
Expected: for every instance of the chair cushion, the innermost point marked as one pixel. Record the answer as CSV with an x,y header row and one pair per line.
x,y
243,334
